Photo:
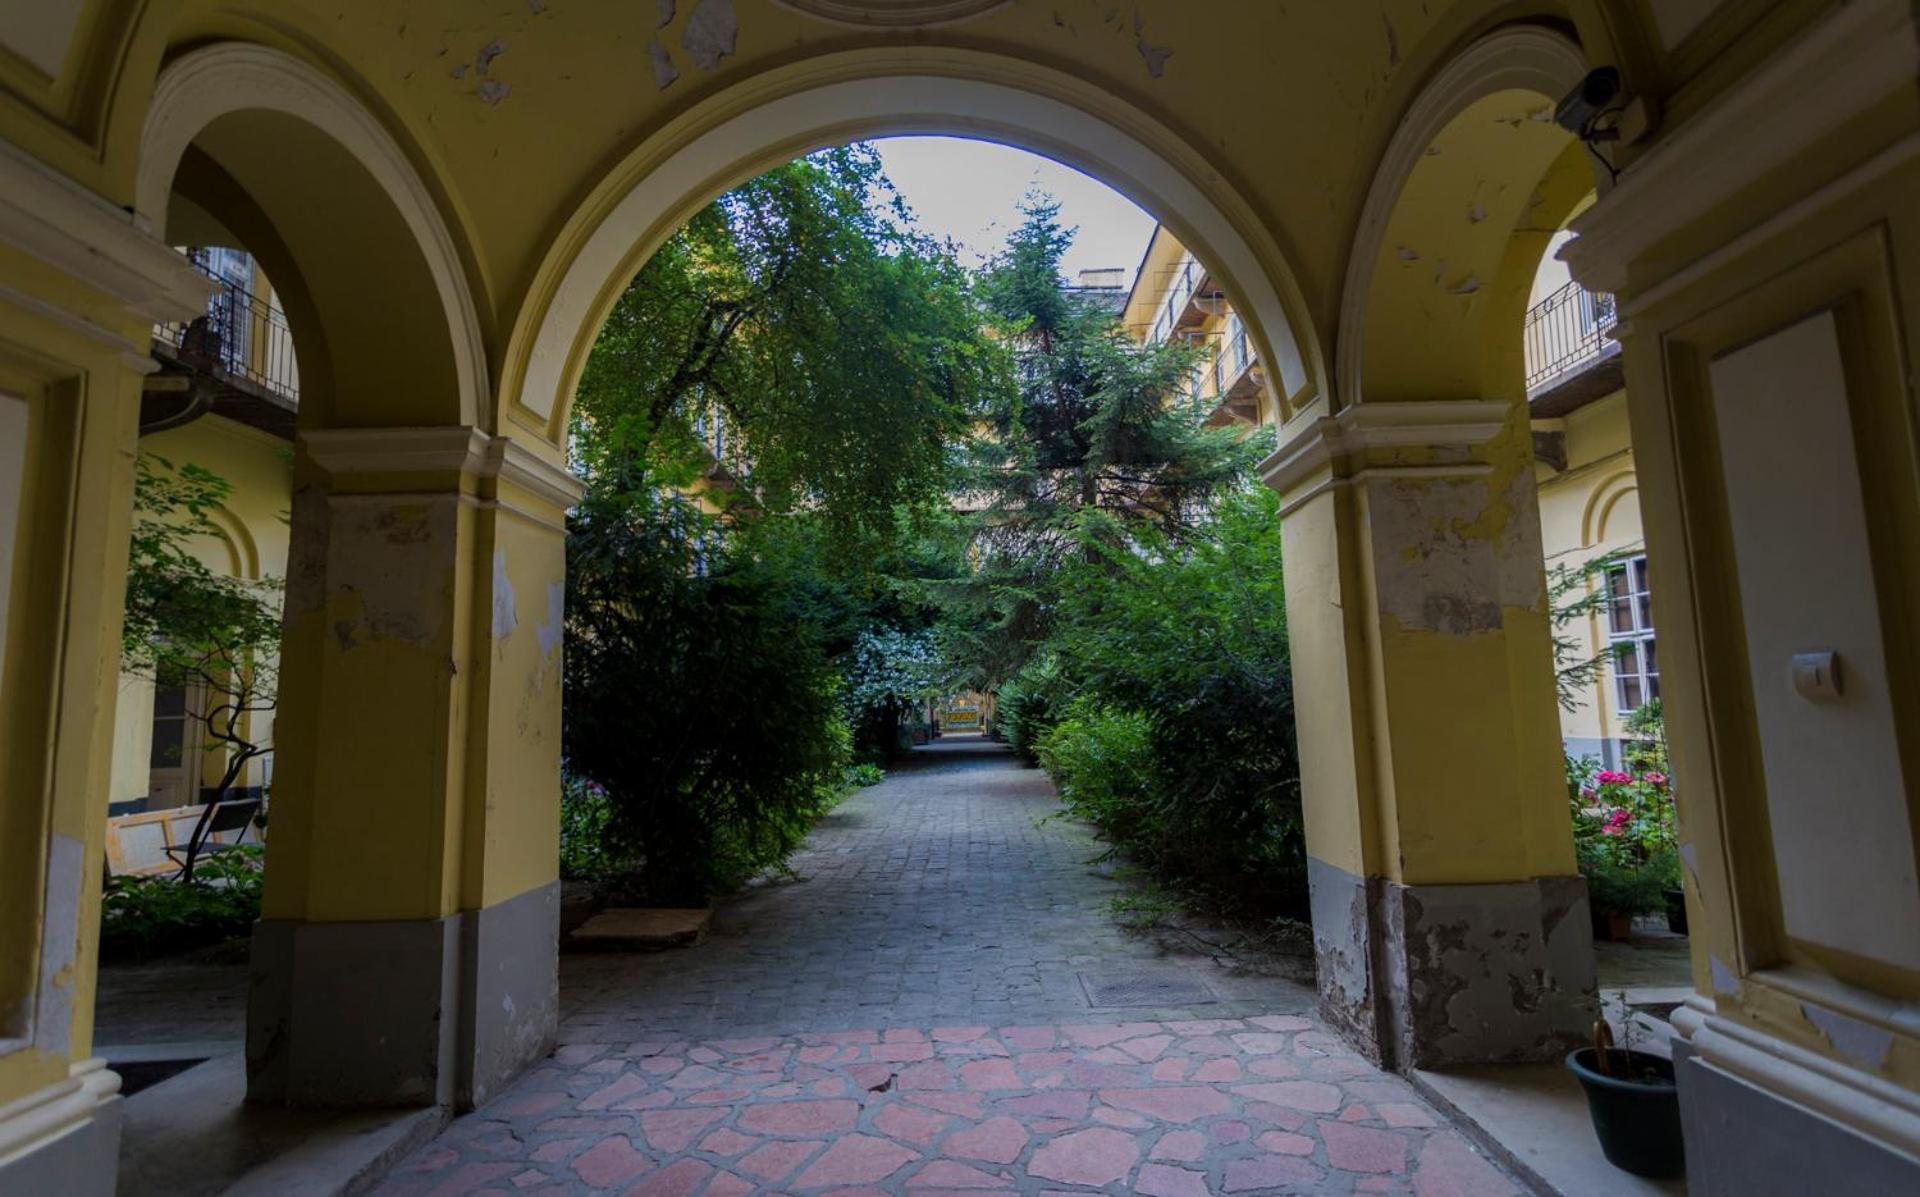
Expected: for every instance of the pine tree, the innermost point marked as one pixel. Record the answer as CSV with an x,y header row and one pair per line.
x,y
1085,447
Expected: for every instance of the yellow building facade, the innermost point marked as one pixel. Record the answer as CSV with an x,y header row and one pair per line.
x,y
449,204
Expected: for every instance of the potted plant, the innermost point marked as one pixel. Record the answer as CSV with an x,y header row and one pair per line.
x,y
1634,1104
1616,892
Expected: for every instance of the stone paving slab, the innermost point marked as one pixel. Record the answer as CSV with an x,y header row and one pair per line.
x,y
953,892
1268,1104
911,1019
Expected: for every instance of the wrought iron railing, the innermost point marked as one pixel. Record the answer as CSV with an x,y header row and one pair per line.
x,y
242,336
1566,331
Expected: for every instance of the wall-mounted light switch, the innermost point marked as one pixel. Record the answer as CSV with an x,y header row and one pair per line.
x,y
1816,676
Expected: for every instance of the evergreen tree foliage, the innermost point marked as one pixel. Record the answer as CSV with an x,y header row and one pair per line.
x,y
1087,432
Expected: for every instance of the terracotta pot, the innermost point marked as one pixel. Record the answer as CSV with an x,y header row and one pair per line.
x,y
1611,927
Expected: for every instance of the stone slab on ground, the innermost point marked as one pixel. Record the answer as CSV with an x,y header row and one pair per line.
x,y
195,1134
642,929
1167,1108
1534,1118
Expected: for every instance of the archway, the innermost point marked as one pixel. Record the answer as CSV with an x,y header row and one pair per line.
x,y
406,517
843,97
1446,907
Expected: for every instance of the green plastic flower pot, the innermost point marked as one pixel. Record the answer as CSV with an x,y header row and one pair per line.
x,y
1636,1113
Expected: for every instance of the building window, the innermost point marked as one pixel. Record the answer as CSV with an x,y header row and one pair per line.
x,y
1636,670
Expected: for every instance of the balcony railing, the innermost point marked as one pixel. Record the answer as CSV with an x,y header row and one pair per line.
x,y
1567,331
241,336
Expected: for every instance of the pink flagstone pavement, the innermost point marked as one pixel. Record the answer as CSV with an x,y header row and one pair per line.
x,y
1168,1109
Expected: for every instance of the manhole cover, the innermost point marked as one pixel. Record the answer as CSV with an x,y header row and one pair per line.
x,y
1144,989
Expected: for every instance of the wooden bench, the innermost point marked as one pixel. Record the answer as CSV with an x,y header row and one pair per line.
x,y
139,845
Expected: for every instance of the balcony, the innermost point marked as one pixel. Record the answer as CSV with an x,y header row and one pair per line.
x,y
236,361
1571,361
1191,298
1235,378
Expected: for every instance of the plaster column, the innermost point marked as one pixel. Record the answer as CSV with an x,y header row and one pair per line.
x,y
408,947
1450,924
80,289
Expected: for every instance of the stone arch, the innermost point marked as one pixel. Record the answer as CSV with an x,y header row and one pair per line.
x,y
1474,181
305,163
837,98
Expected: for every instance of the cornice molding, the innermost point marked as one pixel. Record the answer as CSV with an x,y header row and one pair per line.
x,y
1811,90
48,216
510,461
365,452
1458,425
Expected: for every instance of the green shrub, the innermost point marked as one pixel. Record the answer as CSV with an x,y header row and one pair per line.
x,y
865,774
1101,758
143,917
697,696
1031,702
1188,640
586,852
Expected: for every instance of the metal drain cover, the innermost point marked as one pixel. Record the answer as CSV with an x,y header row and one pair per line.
x,y
1144,989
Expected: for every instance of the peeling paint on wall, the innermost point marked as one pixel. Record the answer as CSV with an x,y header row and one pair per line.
x,y
552,629
1860,1042
506,616
664,72
59,945
387,566
667,9
1725,980
1432,575
710,33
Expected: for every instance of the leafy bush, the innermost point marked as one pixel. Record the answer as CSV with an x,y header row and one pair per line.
x,y
1101,758
1190,637
143,917
586,852
1032,701
865,774
696,696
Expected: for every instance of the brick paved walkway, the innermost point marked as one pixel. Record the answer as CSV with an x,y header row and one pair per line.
x,y
911,1020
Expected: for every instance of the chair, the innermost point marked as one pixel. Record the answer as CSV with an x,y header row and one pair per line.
x,y
236,815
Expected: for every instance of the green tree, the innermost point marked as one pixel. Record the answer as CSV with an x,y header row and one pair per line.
x,y
188,626
841,352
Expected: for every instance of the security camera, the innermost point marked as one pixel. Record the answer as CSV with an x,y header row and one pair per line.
x,y
1577,112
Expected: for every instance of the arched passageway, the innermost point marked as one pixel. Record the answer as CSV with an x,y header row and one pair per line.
x,y
1756,239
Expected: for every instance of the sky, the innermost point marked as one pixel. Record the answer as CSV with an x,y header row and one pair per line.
x,y
969,191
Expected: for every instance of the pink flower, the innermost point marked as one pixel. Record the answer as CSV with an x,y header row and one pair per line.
x,y
1588,791
1617,822
1612,777
1658,779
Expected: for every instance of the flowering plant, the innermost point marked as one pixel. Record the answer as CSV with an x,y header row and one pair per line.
x,y
1624,830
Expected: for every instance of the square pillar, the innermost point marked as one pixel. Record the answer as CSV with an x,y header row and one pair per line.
x,y
407,952
1450,923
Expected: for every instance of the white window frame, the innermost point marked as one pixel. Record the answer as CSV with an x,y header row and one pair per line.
x,y
1636,664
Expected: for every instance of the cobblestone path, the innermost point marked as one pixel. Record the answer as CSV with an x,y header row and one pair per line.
x,y
914,1017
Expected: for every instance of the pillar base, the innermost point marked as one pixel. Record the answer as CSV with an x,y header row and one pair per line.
x,y
1743,1139
1425,976
64,1138
415,1012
